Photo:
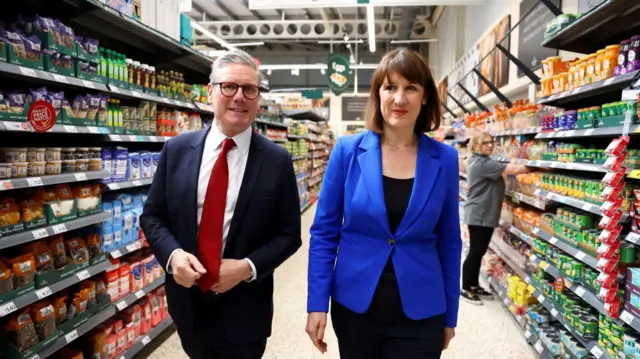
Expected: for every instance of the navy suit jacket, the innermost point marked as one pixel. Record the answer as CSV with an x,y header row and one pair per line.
x,y
265,228
351,230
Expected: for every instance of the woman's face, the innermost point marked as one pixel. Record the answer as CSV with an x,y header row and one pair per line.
x,y
400,102
487,146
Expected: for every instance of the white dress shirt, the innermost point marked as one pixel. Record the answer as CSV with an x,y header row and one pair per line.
x,y
237,160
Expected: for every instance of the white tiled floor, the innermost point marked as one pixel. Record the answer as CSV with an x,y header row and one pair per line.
x,y
484,332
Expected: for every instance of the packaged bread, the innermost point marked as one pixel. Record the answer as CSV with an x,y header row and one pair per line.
x,y
44,317
56,244
6,279
23,268
21,331
42,255
77,250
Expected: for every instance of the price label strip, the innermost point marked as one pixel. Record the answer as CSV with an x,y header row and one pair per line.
x,y
80,176
7,309
146,340
597,352
580,255
627,317
139,294
121,305
34,182
116,254
554,312
43,293
71,336
580,291
59,228
539,347
60,78
70,129
82,275
28,72
88,84
40,233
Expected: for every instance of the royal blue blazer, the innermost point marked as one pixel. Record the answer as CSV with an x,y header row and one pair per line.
x,y
351,240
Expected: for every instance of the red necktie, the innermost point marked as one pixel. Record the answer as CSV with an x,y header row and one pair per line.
x,y
211,223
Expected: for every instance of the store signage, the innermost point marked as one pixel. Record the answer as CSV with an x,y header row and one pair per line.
x,y
41,116
353,108
531,35
338,68
311,94
297,4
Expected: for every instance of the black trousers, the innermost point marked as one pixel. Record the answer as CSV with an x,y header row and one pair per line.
x,y
384,331
479,238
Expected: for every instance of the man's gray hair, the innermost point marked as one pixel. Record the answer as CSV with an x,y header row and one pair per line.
x,y
234,56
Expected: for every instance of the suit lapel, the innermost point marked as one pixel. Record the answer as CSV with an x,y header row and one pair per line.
x,y
251,173
427,169
191,174
370,162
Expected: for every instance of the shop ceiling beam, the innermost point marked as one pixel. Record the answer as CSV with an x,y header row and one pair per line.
x,y
259,17
458,103
225,10
473,98
449,110
524,68
552,7
300,29
493,88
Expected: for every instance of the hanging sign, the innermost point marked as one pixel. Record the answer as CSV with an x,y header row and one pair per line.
x,y
338,73
41,116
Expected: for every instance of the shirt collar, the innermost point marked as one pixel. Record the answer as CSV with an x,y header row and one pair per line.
x,y
242,140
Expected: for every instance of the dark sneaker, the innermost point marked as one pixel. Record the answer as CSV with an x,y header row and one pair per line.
x,y
482,293
469,297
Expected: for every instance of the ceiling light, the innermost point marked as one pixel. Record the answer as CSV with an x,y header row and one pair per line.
x,y
412,41
258,43
268,72
371,28
341,41
346,37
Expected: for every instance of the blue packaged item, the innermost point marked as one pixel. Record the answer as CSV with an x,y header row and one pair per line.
x,y
155,159
106,155
145,167
119,159
133,166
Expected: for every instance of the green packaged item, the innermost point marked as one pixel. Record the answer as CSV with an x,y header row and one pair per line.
x,y
627,253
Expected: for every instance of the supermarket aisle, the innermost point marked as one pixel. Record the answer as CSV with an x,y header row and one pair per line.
x,y
483,332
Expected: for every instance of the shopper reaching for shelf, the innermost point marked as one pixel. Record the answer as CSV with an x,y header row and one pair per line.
x,y
482,209
385,243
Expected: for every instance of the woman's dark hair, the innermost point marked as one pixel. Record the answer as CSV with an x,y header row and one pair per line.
x,y
413,67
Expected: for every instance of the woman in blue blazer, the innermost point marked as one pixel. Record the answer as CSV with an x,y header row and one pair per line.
x,y
385,243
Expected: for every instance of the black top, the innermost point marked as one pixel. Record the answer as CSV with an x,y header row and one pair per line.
x,y
397,193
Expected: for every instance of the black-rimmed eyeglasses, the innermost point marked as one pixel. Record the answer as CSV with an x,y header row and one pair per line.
x,y
492,142
229,89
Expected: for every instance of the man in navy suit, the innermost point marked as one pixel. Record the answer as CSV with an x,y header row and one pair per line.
x,y
222,214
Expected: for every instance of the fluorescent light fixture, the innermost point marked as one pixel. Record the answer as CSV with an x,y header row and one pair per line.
x,y
290,67
257,43
341,41
210,35
412,41
371,28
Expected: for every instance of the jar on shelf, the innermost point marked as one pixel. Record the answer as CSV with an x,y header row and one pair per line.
x,y
94,152
52,154
152,83
82,153
19,169
68,166
68,154
82,165
130,71
137,73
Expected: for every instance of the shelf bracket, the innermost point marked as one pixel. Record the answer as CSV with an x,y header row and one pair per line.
x,y
494,89
552,7
473,98
449,110
458,103
527,71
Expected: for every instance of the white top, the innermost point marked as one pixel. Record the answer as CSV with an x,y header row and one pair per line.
x,y
237,160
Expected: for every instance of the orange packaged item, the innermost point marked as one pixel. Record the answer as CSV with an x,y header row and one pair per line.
x,y
124,273
113,282
9,213
79,303
131,334
590,69
78,250
133,315
145,324
94,244
21,331
582,70
44,317
24,270
32,212
90,287
121,341
156,309
101,289
610,61
87,199
42,254
600,56
6,279
564,81
69,353
136,277
111,351
60,307
56,244
97,343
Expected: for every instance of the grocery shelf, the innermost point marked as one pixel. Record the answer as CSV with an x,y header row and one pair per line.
x,y
297,137
41,293
51,230
578,289
114,186
590,132
517,131
576,253
16,183
129,248
302,115
609,23
137,138
271,123
146,339
587,167
540,204
517,269
570,201
93,322
591,345
604,89
133,297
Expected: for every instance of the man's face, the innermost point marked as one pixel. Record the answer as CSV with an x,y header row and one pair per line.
x,y
235,111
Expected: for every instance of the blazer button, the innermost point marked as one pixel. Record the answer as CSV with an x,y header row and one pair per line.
x,y
392,241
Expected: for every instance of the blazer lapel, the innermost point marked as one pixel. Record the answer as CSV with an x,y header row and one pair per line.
x,y
191,174
251,172
427,169
370,162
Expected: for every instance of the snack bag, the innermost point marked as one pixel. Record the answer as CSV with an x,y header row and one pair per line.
x,y
78,250
6,279
90,287
42,255
56,244
60,307
24,270
21,331
44,317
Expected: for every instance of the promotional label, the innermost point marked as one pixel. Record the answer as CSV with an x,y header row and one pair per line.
x,y
41,116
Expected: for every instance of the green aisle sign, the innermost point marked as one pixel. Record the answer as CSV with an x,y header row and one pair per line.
x,y
338,73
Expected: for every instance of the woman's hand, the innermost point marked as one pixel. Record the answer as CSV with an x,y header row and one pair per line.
x,y
449,333
316,323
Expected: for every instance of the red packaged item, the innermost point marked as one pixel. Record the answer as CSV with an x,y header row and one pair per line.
x,y
609,251
145,324
123,274
131,334
608,237
614,179
617,146
112,279
156,309
636,193
133,315
611,193
608,295
121,341
609,208
607,266
608,280
610,223
613,308
111,346
136,276
614,163
161,293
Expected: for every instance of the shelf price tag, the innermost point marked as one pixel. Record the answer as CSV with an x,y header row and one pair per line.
x,y
538,347
577,91
136,183
116,254
8,309
113,186
608,82
597,352
633,237
536,230
121,305
586,207
70,129
136,93
59,228
580,291
626,317
146,340
88,84
71,336
133,247
554,312
80,176
139,294
60,78
115,138
115,89
527,334
34,181
28,72
40,233
43,293
588,132
553,240
580,255
82,275
541,298
94,130
14,126
527,279
153,138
